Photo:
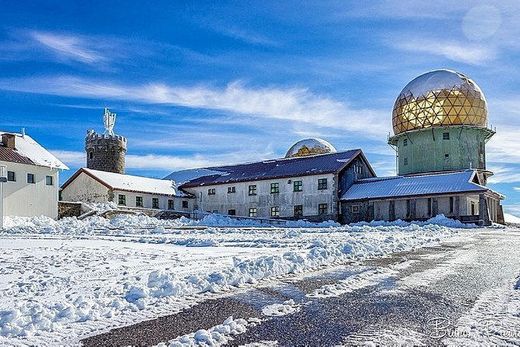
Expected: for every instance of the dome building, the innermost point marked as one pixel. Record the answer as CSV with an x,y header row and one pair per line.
x,y
440,123
308,147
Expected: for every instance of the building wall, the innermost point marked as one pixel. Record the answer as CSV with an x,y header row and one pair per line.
x,y
425,150
286,199
106,153
86,189
27,199
147,200
393,209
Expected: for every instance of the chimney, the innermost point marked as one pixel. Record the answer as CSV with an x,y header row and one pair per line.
x,y
9,140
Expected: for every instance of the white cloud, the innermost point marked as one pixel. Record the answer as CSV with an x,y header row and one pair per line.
x,y
69,46
290,104
504,174
468,53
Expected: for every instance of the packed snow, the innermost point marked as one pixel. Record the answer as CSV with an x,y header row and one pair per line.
x,y
63,280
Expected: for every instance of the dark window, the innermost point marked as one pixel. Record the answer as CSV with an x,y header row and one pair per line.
x,y
252,189
298,186
322,209
473,209
275,188
211,191
184,204
322,184
91,155
405,161
11,176
122,199
452,204
155,202
298,211
275,211
30,178
446,156
231,212
231,190
408,208
139,201
171,205
49,180
446,136
252,212
429,207
405,142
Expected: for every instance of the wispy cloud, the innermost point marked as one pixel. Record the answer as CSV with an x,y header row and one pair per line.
x,y
463,52
69,46
291,104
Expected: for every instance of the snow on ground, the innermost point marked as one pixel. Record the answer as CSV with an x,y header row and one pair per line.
x,y
276,310
511,219
61,281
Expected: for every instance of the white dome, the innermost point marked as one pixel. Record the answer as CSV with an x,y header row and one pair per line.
x,y
310,146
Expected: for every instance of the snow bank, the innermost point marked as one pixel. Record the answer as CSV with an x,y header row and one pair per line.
x,y
441,220
217,336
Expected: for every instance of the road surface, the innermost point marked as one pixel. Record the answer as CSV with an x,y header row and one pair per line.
x,y
457,293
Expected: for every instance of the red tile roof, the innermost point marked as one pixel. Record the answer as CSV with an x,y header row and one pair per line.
x,y
12,156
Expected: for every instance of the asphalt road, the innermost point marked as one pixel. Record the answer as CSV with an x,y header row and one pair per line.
x,y
427,288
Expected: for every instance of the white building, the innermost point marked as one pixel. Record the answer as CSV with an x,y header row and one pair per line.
x,y
88,185
32,177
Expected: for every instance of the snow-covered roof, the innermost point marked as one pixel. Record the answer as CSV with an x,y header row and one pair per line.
x,y
28,151
129,183
402,186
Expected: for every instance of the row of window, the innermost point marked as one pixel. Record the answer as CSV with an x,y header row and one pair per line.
x,y
275,211
31,178
445,136
446,159
275,187
155,202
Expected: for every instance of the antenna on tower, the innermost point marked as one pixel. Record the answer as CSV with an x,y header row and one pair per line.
x,y
109,120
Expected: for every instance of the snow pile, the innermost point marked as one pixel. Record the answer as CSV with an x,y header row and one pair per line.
x,y
440,219
277,310
217,336
511,219
222,220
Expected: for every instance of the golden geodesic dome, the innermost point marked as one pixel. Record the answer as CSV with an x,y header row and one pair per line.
x,y
439,98
310,146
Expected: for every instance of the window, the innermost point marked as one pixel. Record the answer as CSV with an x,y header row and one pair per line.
x,y
171,205
408,208
11,176
122,199
91,155
429,207
355,208
275,188
322,209
446,156
322,184
452,204
231,190
298,211
405,161
139,201
252,212
405,142
184,204
30,178
298,186
275,211
232,212
49,180
211,191
252,189
155,202
446,136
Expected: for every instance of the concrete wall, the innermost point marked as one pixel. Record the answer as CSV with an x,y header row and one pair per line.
x,y
426,150
86,189
27,199
240,201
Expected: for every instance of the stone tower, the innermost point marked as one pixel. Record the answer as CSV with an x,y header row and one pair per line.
x,y
106,152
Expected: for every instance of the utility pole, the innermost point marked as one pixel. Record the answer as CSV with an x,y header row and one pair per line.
x,y
3,179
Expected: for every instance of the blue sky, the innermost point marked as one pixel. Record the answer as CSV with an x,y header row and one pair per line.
x,y
197,84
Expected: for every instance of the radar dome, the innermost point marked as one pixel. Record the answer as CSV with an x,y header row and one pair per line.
x,y
439,98
311,146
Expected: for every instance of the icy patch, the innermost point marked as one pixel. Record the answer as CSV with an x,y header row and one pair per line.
x,y
355,282
217,336
276,310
